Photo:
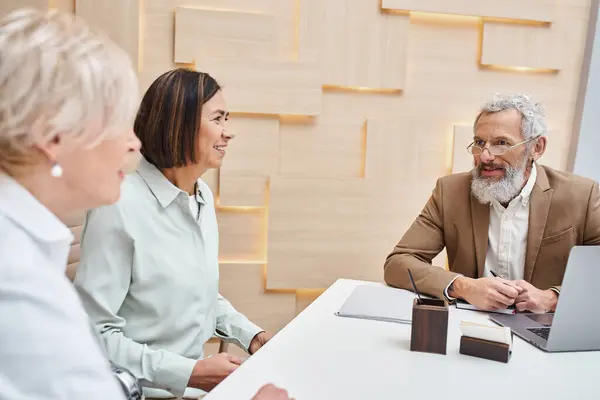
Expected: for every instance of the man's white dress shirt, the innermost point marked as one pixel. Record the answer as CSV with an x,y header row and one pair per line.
x,y
149,279
507,235
47,346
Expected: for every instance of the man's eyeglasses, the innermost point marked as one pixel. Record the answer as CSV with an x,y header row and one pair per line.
x,y
477,147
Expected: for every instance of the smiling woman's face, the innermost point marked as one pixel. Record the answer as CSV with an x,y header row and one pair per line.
x,y
213,137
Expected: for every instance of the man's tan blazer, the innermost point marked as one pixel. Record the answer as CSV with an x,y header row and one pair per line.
x,y
564,212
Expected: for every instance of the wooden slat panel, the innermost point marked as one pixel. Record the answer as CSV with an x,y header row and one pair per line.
x,y
119,19
242,236
304,298
205,33
322,229
242,285
522,46
158,40
327,148
255,149
462,161
557,150
266,87
392,150
242,190
533,10
335,32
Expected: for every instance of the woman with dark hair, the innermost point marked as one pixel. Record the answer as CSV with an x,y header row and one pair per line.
x,y
149,271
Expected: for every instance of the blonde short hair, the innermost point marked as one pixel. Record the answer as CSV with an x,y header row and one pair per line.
x,y
56,76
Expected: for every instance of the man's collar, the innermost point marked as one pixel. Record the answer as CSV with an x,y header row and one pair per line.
x,y
19,205
525,194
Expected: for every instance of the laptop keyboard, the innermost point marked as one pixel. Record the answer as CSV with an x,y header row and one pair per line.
x,y
541,332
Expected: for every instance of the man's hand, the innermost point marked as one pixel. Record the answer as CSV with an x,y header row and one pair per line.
x,y
535,300
271,392
259,341
486,293
209,372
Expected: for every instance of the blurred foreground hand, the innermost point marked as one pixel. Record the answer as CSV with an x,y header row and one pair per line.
x,y
271,392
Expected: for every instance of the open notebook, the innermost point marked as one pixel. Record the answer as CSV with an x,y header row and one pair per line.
x,y
468,306
378,303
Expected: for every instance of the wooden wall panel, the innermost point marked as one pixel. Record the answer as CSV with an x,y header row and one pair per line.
x,y
242,285
267,87
254,151
392,150
322,229
334,32
252,156
508,45
335,147
242,191
119,19
532,10
304,298
159,23
242,236
462,161
202,33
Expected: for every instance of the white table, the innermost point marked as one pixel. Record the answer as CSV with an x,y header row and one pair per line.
x,y
321,356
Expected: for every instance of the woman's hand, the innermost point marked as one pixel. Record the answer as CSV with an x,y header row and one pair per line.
x,y
271,392
209,372
259,341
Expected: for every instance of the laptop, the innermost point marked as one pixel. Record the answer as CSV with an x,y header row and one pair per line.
x,y
575,325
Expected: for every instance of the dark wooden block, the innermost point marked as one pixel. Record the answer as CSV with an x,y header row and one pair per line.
x,y
429,332
485,349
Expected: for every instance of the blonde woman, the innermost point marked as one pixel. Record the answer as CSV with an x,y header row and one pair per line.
x,y
67,102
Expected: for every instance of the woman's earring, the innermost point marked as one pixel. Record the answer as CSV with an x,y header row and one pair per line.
x,y
56,170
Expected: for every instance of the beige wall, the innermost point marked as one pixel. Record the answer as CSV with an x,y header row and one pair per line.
x,y
346,112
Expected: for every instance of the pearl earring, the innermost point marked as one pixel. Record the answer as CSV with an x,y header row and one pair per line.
x,y
56,171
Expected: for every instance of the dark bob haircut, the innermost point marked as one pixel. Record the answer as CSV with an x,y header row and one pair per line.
x,y
168,120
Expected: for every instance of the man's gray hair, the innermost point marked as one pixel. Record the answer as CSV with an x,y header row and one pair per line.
x,y
533,119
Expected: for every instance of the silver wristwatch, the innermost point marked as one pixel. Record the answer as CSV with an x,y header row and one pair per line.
x,y
130,385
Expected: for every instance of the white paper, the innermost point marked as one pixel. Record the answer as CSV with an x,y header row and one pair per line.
x,y
500,334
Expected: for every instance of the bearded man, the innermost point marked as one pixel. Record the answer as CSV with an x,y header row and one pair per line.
x,y
508,225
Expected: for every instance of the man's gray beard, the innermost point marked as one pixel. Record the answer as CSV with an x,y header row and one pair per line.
x,y
504,190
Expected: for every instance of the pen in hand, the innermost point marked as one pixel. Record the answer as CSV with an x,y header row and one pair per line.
x,y
498,276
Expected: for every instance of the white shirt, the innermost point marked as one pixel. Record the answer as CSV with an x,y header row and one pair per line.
x,y
507,236
47,348
149,279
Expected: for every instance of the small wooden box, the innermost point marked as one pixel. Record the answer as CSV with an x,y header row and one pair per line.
x,y
485,349
429,332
